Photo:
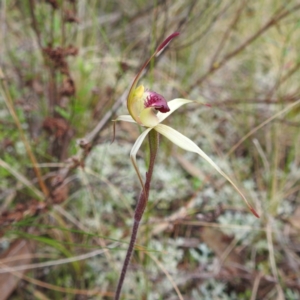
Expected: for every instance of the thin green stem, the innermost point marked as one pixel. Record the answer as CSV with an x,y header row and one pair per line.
x,y
139,210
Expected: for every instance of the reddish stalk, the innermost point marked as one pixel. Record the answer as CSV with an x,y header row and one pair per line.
x,y
139,210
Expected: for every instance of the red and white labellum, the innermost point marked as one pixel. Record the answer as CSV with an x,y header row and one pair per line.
x,y
156,101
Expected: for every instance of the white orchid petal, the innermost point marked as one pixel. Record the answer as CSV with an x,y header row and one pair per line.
x,y
134,151
187,144
126,118
173,105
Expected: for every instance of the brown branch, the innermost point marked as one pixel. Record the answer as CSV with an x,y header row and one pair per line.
x,y
227,33
272,22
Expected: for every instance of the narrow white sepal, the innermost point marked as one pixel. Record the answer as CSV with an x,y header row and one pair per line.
x,y
134,151
185,143
125,118
173,105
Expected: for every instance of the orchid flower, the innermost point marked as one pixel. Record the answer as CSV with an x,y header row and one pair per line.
x,y
149,109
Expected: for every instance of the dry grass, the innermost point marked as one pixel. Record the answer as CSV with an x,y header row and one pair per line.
x,y
65,72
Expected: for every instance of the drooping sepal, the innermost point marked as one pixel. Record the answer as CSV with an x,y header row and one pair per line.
x,y
185,143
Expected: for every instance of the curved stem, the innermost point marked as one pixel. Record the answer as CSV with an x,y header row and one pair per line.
x,y
139,210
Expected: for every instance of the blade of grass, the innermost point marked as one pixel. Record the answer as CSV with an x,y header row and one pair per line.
x,y
9,103
285,110
22,179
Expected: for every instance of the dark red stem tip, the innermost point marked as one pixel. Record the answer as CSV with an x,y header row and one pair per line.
x,y
254,212
167,41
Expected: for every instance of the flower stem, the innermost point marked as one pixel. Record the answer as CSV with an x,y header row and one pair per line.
x,y
140,208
